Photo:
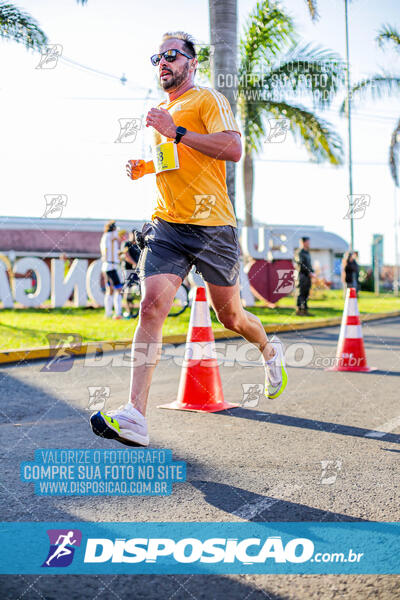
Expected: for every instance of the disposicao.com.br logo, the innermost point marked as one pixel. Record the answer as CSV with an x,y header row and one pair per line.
x,y
190,550
200,547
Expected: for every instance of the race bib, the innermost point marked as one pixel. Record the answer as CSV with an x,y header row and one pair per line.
x,y
166,157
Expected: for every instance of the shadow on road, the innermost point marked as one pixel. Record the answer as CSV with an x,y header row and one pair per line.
x,y
289,421
383,372
256,507
149,587
374,372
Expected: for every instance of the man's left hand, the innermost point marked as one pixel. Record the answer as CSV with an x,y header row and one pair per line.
x,y
161,120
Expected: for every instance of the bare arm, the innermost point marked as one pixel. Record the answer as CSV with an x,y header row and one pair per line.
x,y
224,145
129,260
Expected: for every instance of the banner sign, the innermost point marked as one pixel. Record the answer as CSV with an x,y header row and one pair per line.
x,y
194,548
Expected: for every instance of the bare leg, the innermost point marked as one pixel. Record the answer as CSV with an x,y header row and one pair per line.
x,y
230,312
158,295
108,300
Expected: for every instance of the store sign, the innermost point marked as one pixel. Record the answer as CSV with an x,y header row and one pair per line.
x,y
265,244
81,281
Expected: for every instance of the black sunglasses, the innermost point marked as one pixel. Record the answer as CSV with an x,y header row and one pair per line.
x,y
169,55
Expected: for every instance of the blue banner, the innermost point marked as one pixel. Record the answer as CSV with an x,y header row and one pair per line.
x,y
192,548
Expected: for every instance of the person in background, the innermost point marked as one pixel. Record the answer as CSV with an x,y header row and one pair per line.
x,y
356,272
129,254
306,274
349,272
109,247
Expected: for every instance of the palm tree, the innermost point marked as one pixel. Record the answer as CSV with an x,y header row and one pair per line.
x,y
380,85
268,34
270,58
223,39
312,7
20,27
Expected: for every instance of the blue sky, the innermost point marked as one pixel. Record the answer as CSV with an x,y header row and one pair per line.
x,y
59,126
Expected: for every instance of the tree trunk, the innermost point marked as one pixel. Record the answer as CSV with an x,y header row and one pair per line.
x,y
223,40
248,182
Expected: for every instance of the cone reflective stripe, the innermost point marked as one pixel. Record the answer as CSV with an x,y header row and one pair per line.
x,y
200,351
350,354
200,387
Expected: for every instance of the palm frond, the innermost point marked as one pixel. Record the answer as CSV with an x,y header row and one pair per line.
x,y
394,151
309,70
203,59
268,30
387,33
315,134
312,7
314,52
252,117
375,87
20,27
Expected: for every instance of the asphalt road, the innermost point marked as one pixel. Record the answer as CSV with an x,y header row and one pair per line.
x,y
328,450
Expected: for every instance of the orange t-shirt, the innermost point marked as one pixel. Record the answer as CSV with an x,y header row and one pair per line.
x,y
196,192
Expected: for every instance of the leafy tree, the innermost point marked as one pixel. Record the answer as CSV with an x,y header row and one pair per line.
x,y
272,70
20,27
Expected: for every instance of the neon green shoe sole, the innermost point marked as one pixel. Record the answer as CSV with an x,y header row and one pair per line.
x,y
275,392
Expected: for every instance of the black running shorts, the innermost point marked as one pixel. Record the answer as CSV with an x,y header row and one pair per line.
x,y
112,279
176,247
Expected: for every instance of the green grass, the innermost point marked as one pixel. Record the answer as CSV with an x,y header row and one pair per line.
x,y
28,328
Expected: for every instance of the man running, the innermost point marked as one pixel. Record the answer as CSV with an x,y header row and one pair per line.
x,y
109,247
195,132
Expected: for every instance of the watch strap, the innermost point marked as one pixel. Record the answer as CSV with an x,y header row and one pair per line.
x,y
180,132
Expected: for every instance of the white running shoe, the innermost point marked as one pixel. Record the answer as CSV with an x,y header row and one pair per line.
x,y
275,371
125,425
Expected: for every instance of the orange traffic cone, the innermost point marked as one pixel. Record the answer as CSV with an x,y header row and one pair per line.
x,y
350,354
200,387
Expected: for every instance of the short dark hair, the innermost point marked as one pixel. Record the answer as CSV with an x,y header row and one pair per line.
x,y
305,239
185,37
110,226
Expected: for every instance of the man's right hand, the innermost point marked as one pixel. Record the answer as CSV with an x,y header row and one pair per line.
x,y
137,168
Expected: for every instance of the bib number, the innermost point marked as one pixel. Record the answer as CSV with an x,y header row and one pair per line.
x,y
166,157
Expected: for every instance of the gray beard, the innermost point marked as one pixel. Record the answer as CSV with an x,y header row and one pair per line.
x,y
177,79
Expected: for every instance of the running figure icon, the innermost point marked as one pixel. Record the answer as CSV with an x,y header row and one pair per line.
x,y
62,549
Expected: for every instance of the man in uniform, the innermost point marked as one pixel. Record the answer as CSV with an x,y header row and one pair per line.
x,y
194,223
306,274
